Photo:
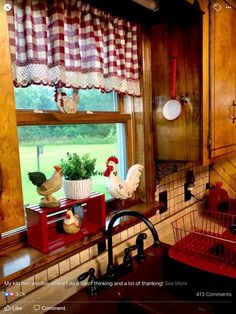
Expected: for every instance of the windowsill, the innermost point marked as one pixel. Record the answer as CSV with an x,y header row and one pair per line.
x,y
28,261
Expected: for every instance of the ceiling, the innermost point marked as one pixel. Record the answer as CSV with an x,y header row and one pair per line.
x,y
169,10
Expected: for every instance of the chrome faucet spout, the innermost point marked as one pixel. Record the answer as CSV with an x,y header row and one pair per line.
x,y
110,266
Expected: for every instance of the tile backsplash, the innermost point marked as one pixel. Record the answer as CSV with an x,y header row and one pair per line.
x,y
174,185
60,281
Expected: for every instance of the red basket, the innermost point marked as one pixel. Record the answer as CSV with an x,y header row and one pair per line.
x,y
206,240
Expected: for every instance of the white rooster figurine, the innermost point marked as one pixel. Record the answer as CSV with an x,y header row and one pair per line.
x,y
118,188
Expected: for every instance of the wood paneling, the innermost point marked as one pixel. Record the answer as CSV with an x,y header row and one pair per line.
x,y
205,82
223,82
142,112
178,139
11,202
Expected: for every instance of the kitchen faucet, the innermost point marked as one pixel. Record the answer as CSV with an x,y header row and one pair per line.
x,y
111,266
112,270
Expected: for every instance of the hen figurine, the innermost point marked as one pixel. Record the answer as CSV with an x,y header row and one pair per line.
x,y
46,186
72,222
118,188
67,104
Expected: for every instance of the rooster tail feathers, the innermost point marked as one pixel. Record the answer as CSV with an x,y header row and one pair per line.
x,y
135,169
37,178
133,176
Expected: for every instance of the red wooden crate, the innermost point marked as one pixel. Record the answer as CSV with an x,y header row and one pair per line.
x,y
45,225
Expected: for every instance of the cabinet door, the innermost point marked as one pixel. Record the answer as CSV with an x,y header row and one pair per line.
x,y
223,80
11,204
177,139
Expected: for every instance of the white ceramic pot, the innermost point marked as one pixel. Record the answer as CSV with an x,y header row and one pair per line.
x,y
77,189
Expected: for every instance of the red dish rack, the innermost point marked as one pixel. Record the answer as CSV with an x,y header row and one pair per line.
x,y
206,240
45,225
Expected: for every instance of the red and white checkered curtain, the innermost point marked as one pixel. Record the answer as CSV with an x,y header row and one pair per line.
x,y
72,44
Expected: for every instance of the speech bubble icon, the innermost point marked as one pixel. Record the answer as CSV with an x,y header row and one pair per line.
x,y
36,307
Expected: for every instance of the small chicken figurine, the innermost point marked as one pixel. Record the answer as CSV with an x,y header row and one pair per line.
x,y
66,104
46,186
72,222
118,188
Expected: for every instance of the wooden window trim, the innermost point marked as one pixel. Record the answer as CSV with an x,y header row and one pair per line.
x,y
29,117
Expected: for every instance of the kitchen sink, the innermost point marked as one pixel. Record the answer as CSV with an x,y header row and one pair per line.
x,y
159,285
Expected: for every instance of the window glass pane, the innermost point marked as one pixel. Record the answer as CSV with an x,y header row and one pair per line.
x,y
36,97
54,141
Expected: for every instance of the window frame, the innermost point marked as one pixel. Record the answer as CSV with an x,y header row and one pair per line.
x,y
30,117
137,117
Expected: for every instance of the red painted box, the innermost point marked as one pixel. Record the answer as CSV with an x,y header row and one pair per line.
x,y
45,225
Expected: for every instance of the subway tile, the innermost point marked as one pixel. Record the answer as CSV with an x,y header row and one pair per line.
x,y
123,235
175,208
41,278
143,226
28,285
171,202
179,207
180,199
93,251
158,215
137,228
116,239
161,188
53,272
153,219
131,232
75,260
84,256
64,266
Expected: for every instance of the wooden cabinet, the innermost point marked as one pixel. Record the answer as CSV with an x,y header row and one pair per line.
x,y
222,132
206,75
177,139
11,203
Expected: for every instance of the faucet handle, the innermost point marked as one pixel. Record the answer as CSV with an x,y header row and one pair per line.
x,y
140,245
92,288
86,274
127,258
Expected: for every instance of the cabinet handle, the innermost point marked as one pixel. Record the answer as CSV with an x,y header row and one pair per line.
x,y
233,117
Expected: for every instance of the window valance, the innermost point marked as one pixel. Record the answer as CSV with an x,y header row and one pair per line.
x,y
72,44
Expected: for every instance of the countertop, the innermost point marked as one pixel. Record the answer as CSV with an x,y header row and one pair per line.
x,y
158,285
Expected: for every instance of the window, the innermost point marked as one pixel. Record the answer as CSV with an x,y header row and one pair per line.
x,y
133,119
46,135
42,98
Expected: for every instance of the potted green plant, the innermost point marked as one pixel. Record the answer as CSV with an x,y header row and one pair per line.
x,y
77,173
